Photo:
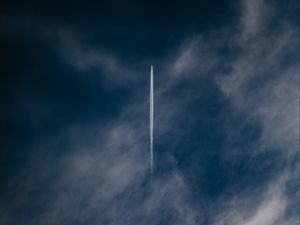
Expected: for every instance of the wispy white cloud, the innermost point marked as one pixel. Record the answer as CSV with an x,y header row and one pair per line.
x,y
262,82
264,86
269,209
195,56
274,98
253,14
85,59
102,175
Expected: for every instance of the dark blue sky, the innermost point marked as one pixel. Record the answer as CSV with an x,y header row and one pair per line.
x,y
74,118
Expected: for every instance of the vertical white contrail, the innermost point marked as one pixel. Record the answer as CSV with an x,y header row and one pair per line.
x,y
151,120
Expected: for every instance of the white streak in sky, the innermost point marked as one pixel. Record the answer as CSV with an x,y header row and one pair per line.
x,y
151,120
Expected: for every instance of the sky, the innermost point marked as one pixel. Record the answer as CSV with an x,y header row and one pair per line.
x,y
74,118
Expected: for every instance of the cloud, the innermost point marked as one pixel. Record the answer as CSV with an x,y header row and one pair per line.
x,y
265,87
100,176
74,49
261,82
268,209
253,15
196,55
86,59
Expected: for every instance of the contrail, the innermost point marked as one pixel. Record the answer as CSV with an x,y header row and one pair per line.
x,y
151,120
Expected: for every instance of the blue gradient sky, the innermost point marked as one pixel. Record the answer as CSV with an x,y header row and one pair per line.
x,y
74,118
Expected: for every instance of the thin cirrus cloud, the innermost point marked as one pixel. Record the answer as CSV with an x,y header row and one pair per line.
x,y
273,101
261,84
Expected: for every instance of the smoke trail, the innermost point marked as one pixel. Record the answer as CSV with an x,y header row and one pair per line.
x,y
151,120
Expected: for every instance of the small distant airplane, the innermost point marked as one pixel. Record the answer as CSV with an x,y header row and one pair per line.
x,y
151,119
